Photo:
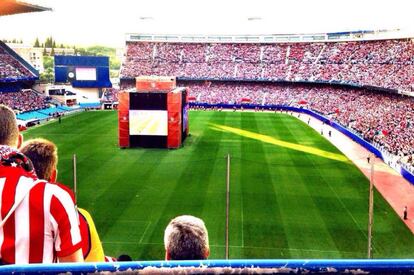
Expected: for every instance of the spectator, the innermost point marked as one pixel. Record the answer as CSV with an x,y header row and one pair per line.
x,y
44,157
186,238
54,229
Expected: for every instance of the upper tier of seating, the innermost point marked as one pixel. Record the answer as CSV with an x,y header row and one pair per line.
x,y
385,63
11,68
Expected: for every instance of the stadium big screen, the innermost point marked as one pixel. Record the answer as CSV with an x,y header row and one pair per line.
x,y
148,120
154,119
82,71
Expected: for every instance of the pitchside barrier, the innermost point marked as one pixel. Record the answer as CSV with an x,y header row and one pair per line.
x,y
403,171
393,266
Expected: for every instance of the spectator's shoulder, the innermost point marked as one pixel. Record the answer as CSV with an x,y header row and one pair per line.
x,y
68,190
60,191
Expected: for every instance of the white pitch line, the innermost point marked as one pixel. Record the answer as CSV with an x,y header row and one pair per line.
x,y
145,231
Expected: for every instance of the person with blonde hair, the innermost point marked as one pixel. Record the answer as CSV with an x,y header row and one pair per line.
x,y
44,156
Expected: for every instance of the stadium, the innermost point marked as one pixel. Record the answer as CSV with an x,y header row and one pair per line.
x,y
296,150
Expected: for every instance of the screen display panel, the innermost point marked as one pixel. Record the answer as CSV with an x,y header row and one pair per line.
x,y
148,123
88,74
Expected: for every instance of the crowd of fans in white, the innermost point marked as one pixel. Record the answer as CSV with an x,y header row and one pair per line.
x,y
387,64
23,101
11,68
383,118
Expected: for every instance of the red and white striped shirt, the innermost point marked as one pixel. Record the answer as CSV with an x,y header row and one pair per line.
x,y
43,226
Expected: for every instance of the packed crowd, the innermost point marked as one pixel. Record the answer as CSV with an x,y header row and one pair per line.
x,y
387,63
11,68
110,95
383,118
24,100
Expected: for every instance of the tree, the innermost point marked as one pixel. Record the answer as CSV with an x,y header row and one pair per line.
x,y
48,62
52,52
37,44
49,42
114,63
82,51
47,76
113,74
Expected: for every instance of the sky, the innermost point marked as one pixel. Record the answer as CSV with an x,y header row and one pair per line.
x,y
105,22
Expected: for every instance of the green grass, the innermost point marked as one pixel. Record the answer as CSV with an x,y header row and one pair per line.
x,y
283,203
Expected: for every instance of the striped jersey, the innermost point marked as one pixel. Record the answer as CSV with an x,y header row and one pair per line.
x,y
45,224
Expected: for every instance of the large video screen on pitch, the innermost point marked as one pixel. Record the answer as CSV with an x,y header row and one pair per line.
x,y
148,123
148,120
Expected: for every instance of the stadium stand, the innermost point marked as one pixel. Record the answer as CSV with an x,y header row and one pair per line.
x,y
65,108
50,111
31,116
32,106
384,63
16,79
13,67
23,101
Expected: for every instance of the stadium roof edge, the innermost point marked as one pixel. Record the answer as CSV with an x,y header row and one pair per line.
x,y
360,35
10,7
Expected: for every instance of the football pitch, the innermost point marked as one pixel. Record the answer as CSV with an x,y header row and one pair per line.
x,y
292,193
